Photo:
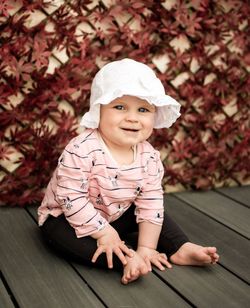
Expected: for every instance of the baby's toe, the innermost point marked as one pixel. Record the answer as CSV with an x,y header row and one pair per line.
x,y
211,250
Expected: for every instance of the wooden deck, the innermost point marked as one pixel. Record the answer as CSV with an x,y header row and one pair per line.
x,y
32,276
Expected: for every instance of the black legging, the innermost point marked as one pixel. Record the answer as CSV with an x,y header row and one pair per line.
x,y
61,237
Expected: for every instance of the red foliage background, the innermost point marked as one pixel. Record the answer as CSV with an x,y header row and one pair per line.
x,y
50,51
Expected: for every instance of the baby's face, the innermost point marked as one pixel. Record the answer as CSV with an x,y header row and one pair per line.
x,y
126,121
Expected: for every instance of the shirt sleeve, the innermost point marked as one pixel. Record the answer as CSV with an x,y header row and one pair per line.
x,y
72,175
149,202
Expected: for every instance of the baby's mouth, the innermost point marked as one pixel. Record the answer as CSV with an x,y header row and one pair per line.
x,y
130,129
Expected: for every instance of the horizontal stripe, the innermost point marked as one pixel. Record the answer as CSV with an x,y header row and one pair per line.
x,y
77,210
73,153
72,189
70,167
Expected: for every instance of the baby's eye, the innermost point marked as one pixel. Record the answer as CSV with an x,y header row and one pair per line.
x,y
142,109
119,107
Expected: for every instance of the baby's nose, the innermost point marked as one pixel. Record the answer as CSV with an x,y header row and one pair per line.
x,y
132,117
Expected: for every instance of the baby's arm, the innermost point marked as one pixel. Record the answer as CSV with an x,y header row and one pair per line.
x,y
147,243
146,254
148,234
108,241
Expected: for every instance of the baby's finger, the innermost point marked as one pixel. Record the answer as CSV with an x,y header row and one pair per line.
x,y
163,255
97,253
126,250
158,264
133,273
109,255
166,263
120,255
164,260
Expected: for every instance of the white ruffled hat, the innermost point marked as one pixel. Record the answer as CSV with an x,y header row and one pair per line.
x,y
129,77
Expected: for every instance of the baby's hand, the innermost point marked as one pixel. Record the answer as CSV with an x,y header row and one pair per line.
x,y
157,259
135,267
108,241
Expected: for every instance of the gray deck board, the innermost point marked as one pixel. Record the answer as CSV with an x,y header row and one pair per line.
x,y
5,300
220,208
147,292
209,286
38,279
208,232
239,194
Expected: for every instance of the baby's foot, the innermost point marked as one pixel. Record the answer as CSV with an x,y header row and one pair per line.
x,y
192,254
134,268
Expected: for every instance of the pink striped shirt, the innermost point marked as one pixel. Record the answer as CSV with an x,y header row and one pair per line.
x,y
91,189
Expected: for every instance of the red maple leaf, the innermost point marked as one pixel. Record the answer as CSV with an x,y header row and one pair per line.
x,y
5,152
4,7
20,68
39,54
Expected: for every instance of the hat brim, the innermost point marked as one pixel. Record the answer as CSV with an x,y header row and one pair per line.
x,y
168,109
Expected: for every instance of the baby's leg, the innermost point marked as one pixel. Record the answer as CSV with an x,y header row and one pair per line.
x,y
61,237
171,237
